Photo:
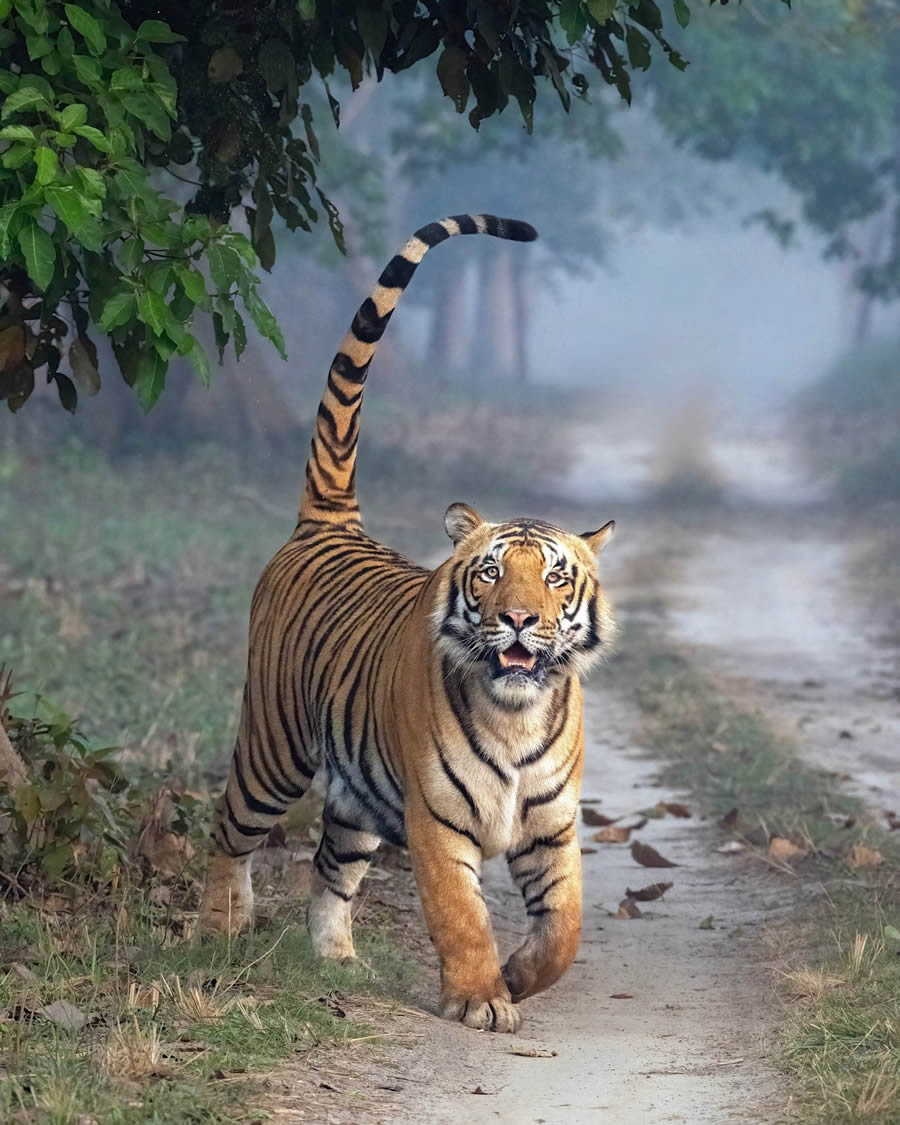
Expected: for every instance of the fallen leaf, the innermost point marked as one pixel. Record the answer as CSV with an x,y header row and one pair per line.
x,y
861,856
651,893
636,825
675,808
785,851
588,851
591,801
649,857
595,819
729,820
621,996
628,908
23,973
848,734
758,837
64,1014
731,846
614,834
157,845
478,1090
532,1052
707,923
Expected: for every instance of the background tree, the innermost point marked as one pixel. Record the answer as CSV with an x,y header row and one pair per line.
x,y
100,98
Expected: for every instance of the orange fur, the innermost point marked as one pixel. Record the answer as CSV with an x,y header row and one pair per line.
x,y
445,707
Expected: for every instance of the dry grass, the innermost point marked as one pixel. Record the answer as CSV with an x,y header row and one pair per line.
x,y
133,1052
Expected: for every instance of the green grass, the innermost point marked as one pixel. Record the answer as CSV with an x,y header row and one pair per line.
x,y
174,1032
840,1041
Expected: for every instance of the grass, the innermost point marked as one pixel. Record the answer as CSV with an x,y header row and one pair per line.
x,y
175,1031
840,983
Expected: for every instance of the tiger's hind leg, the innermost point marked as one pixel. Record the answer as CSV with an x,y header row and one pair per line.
x,y
342,859
268,773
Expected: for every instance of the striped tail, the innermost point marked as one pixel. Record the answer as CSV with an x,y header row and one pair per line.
x,y
330,491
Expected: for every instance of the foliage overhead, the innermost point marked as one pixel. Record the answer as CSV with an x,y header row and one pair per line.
x,y
103,102
815,98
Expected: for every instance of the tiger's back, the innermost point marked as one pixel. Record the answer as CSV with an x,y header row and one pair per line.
x,y
444,706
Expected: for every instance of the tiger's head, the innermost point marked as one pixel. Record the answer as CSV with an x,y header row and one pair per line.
x,y
523,604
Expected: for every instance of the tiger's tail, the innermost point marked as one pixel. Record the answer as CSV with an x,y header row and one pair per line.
x,y
330,490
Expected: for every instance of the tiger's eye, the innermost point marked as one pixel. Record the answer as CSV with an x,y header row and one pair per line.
x,y
490,573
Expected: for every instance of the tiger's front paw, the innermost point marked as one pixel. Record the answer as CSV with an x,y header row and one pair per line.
x,y
227,903
485,1013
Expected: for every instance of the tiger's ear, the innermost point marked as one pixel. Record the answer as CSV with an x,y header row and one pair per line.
x,y
597,540
460,520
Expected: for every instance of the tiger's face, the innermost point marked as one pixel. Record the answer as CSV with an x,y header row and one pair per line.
x,y
523,605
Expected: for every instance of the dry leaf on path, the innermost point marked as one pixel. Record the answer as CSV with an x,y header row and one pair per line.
x,y
595,819
707,923
628,908
730,820
649,857
675,808
651,893
527,1052
614,834
621,996
64,1015
478,1090
588,851
785,851
861,856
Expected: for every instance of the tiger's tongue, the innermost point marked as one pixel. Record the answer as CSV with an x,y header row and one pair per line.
x,y
517,656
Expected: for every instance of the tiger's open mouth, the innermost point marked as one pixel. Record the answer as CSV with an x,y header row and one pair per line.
x,y
517,657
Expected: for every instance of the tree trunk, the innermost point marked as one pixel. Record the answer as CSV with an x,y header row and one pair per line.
x,y
494,348
520,329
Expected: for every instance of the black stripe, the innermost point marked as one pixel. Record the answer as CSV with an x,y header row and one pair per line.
x,y
449,824
457,781
353,857
539,897
545,798
398,273
553,841
431,234
367,325
344,366
466,224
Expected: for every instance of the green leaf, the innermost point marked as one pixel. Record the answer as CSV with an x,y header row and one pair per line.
x,y
224,266
64,140
194,285
200,360
150,112
682,12
10,218
891,933
71,116
92,235
238,334
68,204
126,78
97,139
451,72
373,27
65,44
307,9
40,254
573,19
265,322
68,396
131,254
26,97
152,311
88,70
17,155
118,310
5,8
47,165
17,133
150,379
85,24
601,10
156,31
94,182
37,46
638,47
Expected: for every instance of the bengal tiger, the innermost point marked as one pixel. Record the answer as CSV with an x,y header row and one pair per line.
x,y
444,705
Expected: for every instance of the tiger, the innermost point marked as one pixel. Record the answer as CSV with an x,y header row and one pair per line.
x,y
444,706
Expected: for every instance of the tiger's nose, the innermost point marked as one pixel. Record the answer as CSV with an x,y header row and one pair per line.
x,y
518,619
